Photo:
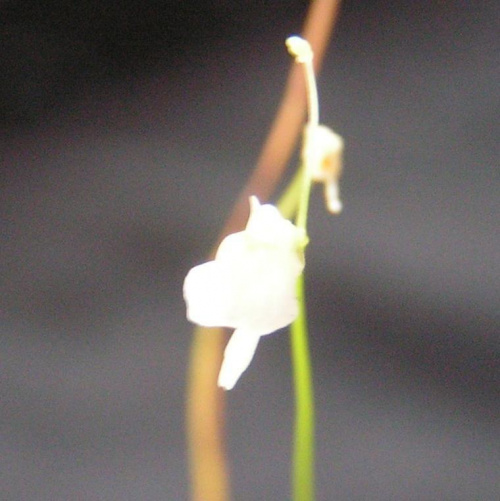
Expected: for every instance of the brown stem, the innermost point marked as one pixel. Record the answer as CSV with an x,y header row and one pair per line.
x,y
205,401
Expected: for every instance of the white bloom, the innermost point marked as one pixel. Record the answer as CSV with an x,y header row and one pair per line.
x,y
250,286
324,149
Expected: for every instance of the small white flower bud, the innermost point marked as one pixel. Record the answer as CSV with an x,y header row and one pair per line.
x,y
299,48
324,156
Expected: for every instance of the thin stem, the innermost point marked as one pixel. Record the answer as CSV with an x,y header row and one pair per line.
x,y
205,418
303,53
312,93
303,478
289,200
303,449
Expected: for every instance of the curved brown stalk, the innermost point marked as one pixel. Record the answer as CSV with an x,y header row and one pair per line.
x,y
205,401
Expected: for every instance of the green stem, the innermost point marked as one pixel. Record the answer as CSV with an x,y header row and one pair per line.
x,y
303,452
305,191
303,449
289,200
297,197
295,201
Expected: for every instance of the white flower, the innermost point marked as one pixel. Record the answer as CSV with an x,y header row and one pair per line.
x,y
250,286
324,149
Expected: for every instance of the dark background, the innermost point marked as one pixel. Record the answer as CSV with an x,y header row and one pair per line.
x,y
127,130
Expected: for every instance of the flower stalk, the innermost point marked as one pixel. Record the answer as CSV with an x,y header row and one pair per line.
x,y
321,161
303,478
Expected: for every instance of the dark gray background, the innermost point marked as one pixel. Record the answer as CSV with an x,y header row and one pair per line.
x,y
127,130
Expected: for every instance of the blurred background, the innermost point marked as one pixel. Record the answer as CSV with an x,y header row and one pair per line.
x,y
126,132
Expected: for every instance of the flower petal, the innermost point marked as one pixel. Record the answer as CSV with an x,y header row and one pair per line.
x,y
208,296
237,357
261,280
267,226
